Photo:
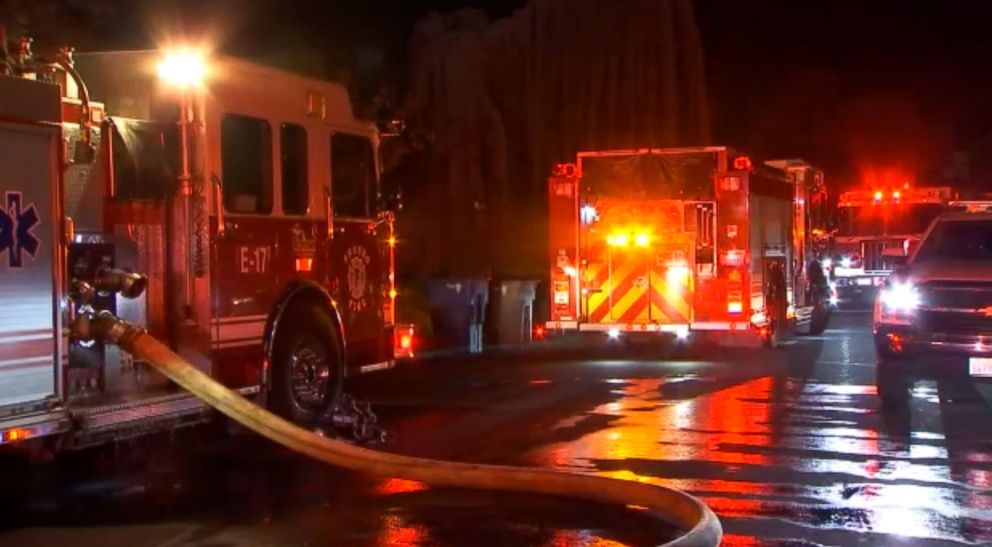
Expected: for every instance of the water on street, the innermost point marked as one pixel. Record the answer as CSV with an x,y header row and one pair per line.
x,y
788,446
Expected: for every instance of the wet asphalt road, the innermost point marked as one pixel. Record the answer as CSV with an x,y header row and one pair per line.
x,y
789,447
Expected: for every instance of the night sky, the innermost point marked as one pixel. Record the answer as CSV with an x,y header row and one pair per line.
x,y
861,87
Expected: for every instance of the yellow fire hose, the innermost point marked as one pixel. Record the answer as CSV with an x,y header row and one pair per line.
x,y
702,528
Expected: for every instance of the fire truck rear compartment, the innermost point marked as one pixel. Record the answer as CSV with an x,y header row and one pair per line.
x,y
637,267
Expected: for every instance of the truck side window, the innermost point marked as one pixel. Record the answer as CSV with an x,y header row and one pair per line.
x,y
246,164
352,174
295,195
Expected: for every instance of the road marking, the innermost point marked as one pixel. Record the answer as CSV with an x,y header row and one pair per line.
x,y
847,363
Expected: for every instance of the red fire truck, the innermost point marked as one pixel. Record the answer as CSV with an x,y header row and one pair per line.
x,y
685,240
875,227
230,208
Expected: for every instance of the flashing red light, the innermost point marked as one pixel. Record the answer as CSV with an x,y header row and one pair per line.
x,y
303,264
878,196
897,195
735,307
14,435
742,163
404,341
539,333
896,342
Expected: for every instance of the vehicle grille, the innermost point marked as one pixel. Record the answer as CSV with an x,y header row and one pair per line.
x,y
873,253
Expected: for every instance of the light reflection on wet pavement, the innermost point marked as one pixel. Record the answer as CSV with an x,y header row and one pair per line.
x,y
788,447
793,456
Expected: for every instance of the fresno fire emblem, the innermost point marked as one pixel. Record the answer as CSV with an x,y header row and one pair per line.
x,y
356,260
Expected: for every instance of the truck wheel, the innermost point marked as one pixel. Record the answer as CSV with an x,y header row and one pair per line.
x,y
892,386
308,364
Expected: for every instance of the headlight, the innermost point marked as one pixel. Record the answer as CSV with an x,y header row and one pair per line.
x,y
900,297
846,262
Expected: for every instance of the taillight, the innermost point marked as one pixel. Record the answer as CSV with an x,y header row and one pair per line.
x,y
735,292
733,258
15,434
404,341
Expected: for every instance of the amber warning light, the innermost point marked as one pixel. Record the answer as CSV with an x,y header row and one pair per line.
x,y
304,264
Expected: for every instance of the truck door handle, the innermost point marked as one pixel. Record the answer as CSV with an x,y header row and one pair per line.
x,y
218,188
329,212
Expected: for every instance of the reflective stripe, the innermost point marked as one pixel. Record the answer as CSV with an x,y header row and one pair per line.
x,y
26,362
633,327
23,344
376,366
241,319
238,343
240,331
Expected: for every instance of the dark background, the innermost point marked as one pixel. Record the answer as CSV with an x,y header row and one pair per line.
x,y
866,89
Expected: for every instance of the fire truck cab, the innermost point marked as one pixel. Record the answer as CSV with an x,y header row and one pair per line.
x,y
230,208
875,229
683,241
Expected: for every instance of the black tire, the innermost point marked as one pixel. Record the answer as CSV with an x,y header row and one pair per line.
x,y
307,364
892,385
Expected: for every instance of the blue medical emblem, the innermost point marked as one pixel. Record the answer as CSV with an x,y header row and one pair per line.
x,y
17,223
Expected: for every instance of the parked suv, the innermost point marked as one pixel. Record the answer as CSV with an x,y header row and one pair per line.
x,y
933,316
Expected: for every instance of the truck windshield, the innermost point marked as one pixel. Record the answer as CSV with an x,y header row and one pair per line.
x,y
650,176
958,240
880,220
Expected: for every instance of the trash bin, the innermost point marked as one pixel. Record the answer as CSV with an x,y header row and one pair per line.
x,y
511,305
458,307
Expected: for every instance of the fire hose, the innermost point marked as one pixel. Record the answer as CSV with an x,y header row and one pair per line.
x,y
700,525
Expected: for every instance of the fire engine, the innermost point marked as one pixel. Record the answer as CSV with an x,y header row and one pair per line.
x,y
679,241
229,208
875,228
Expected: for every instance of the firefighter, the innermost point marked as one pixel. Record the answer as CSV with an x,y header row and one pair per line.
x,y
819,289
776,297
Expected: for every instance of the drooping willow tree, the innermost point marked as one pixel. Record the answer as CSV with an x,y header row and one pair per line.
x,y
503,101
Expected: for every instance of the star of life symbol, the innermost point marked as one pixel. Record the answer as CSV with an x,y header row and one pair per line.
x,y
17,223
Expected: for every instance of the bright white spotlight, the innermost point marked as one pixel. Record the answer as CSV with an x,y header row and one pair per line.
x,y
900,297
182,68
613,334
589,214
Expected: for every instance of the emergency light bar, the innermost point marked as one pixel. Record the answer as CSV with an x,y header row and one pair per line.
x,y
860,198
971,206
